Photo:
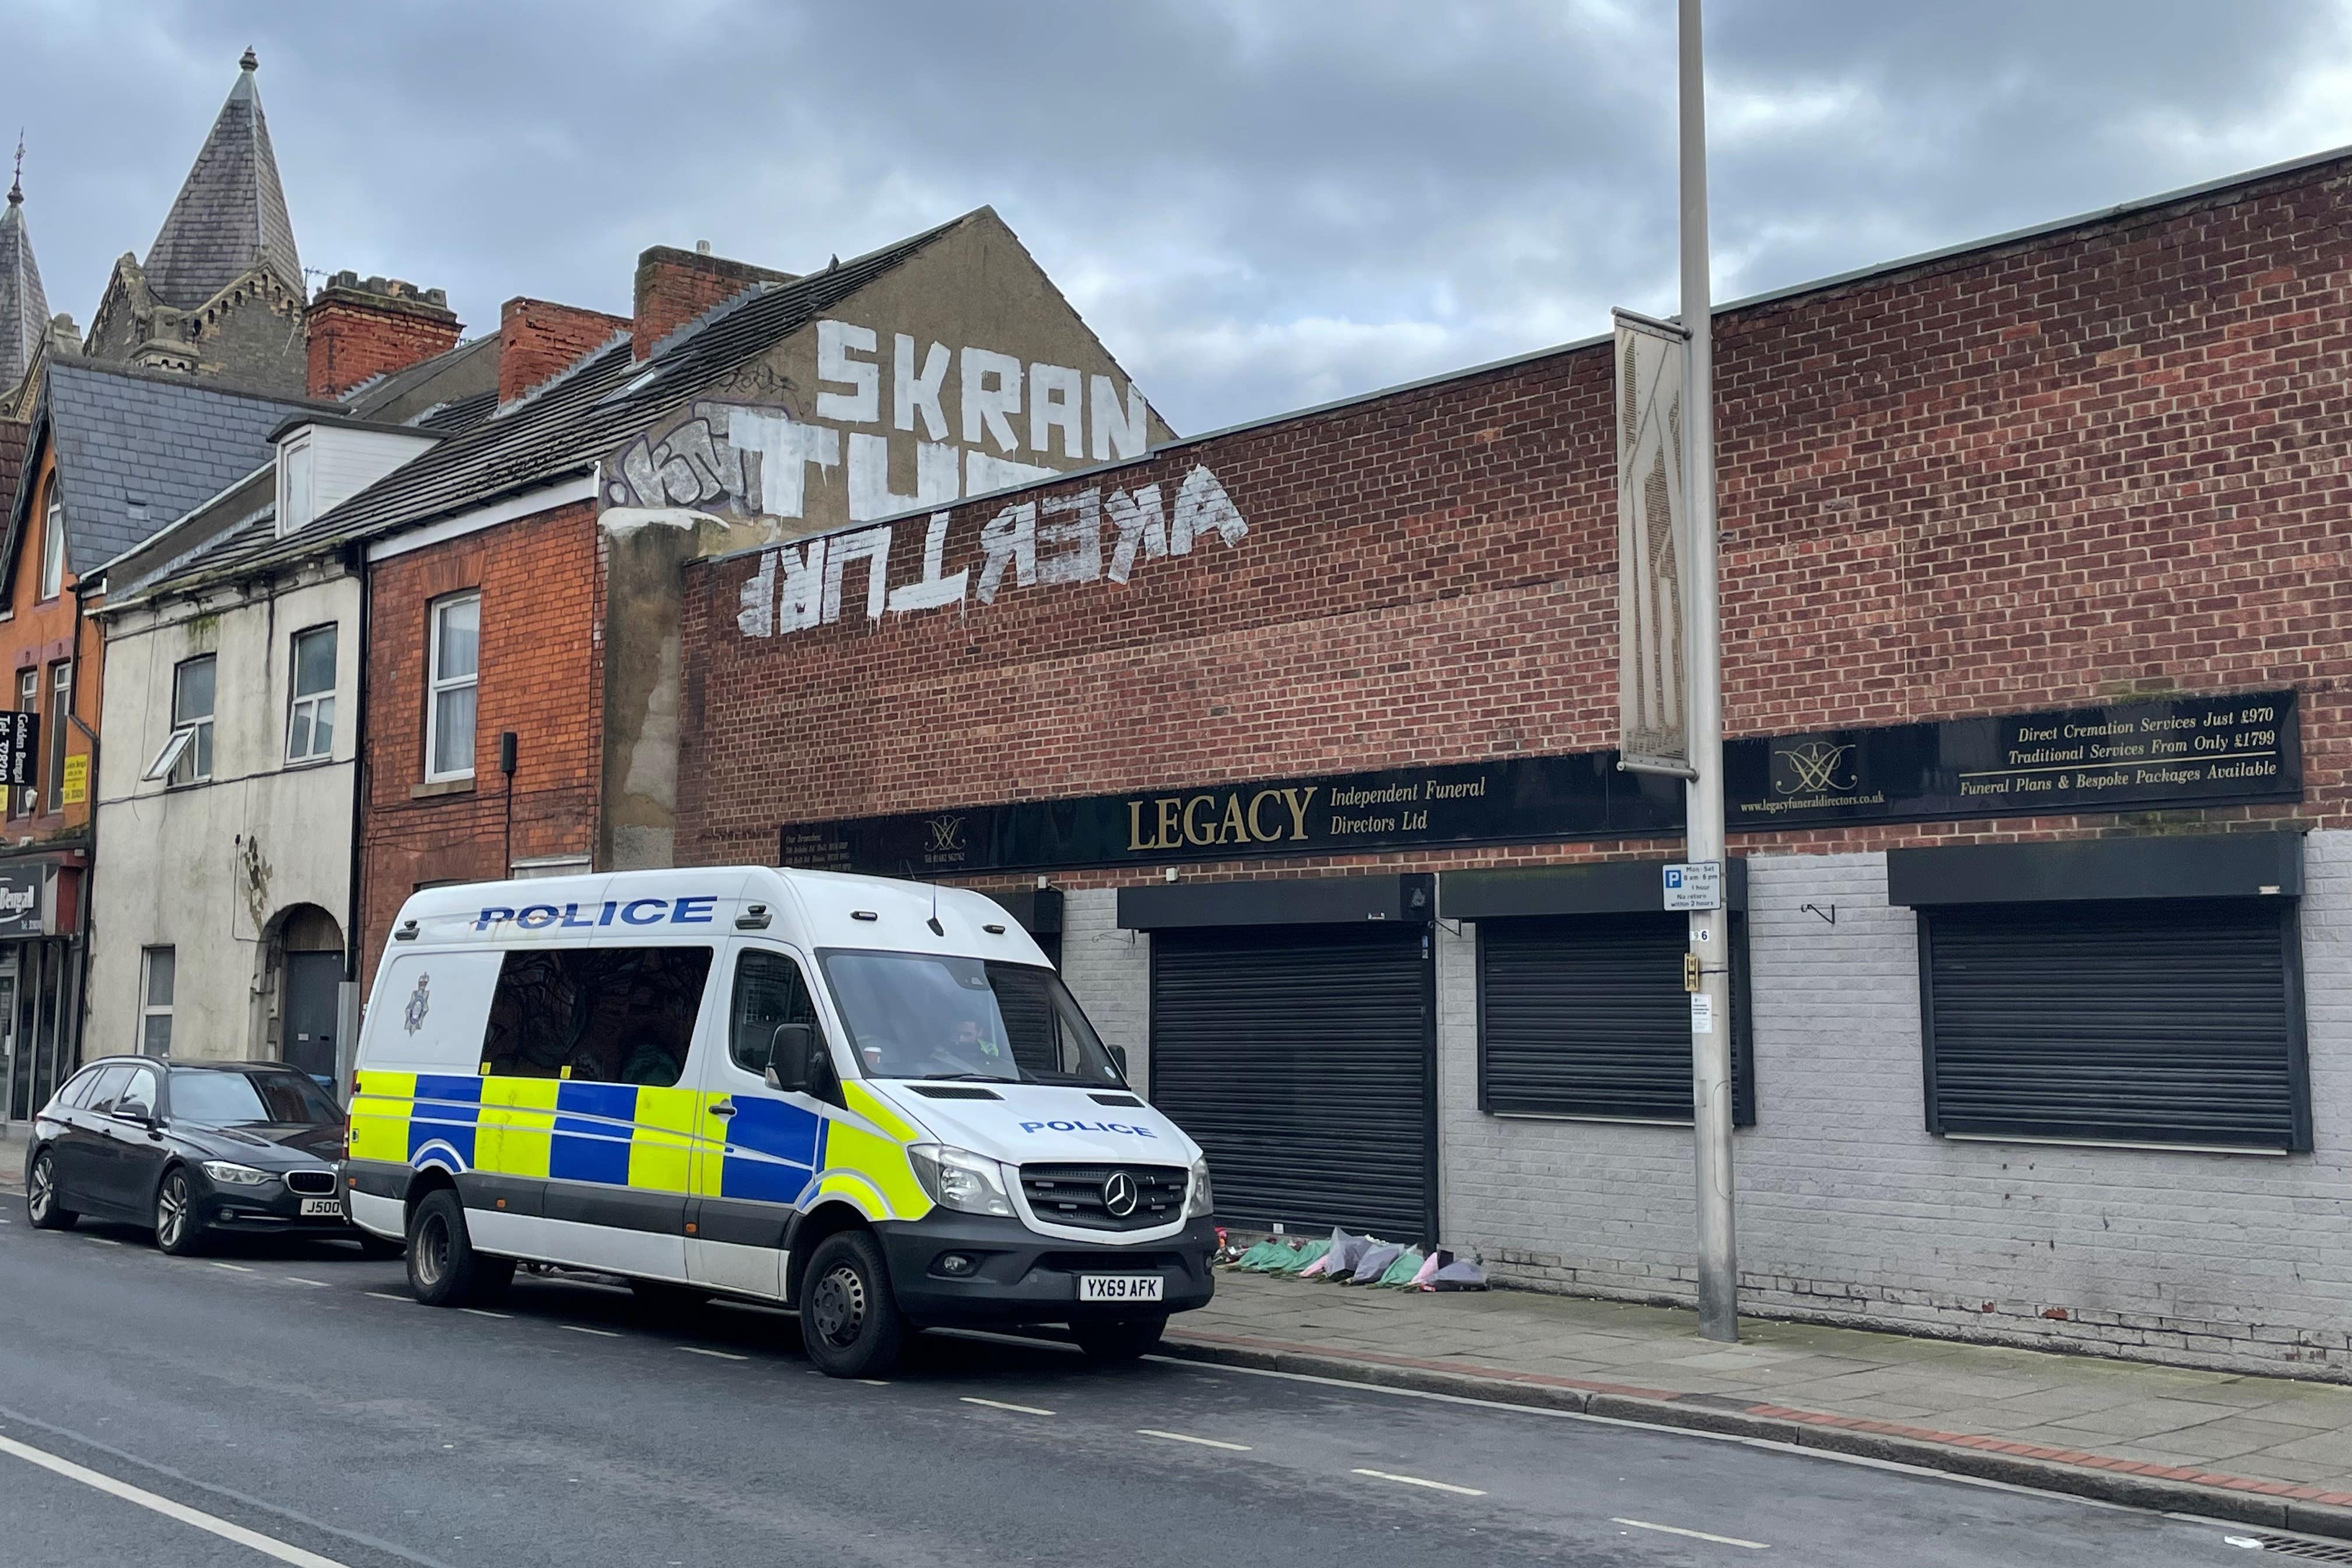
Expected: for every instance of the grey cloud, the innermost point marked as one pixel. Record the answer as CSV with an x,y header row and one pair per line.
x,y
1259,206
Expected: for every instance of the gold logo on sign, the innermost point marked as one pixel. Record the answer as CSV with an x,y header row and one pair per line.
x,y
1812,768
946,833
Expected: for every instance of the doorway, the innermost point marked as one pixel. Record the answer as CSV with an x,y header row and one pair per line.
x,y
314,947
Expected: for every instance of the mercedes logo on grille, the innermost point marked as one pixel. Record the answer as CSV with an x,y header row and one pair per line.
x,y
1120,1195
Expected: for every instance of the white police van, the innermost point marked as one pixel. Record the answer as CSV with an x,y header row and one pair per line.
x,y
871,1100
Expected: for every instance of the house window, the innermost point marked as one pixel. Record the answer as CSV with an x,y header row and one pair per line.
x,y
155,1001
311,725
53,546
187,755
60,700
296,497
28,700
455,667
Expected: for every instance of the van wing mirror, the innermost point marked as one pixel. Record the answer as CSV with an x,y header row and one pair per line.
x,y
1118,1058
789,1049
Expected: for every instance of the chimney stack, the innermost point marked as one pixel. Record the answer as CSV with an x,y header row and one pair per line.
x,y
360,329
539,339
675,286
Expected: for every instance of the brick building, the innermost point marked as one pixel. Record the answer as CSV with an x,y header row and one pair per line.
x,y
524,575
1296,738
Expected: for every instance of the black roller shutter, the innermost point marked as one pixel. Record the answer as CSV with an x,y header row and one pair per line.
x,y
1303,1060
1586,1016
2162,1021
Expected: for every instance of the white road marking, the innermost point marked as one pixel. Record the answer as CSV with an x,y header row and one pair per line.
x,y
602,1333
1417,1481
1181,1437
386,1296
102,1240
1695,1534
485,1312
718,1355
267,1545
999,1405
868,1382
237,1267
298,1280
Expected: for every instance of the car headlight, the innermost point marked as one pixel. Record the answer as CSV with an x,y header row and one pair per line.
x,y
959,1179
231,1174
1199,1201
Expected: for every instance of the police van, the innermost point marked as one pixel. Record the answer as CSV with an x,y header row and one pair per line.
x,y
872,1101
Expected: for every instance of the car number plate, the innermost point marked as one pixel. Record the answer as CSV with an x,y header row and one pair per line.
x,y
1120,1287
318,1208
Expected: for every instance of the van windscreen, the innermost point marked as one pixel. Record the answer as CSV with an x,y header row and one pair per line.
x,y
926,1015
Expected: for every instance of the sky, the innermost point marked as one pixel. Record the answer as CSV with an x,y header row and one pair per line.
x,y
1259,205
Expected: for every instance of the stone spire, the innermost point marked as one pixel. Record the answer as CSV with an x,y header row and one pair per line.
x,y
231,211
24,308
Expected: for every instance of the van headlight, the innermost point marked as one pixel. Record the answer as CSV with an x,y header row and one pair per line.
x,y
959,1179
230,1174
1199,1201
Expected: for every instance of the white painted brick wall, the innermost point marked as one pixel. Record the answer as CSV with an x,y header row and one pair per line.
x,y
1849,1209
1110,971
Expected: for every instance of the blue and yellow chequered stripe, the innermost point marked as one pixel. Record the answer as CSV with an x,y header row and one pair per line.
x,y
641,1138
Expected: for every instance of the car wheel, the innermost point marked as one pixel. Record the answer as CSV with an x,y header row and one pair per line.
x,y
849,1319
444,1269
41,1199
179,1228
1118,1338
381,1250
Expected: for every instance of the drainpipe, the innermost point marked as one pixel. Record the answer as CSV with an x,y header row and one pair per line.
x,y
347,1014
89,801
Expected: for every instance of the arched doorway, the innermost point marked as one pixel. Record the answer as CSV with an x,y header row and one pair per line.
x,y
311,945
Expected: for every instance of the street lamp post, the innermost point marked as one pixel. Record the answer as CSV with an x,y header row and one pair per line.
x,y
1710,934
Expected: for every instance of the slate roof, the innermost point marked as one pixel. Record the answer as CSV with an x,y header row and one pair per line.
x,y
135,450
568,424
13,434
230,210
24,308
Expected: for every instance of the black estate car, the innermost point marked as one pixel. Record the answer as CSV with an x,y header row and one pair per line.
x,y
190,1148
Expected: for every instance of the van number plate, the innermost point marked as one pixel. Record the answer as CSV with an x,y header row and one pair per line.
x,y
317,1208
1120,1287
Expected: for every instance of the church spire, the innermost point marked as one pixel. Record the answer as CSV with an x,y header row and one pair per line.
x,y
231,212
24,308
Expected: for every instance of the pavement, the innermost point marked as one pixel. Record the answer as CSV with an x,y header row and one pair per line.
x,y
287,1402
2266,1450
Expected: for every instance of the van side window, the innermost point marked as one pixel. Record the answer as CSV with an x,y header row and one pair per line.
x,y
769,992
609,1014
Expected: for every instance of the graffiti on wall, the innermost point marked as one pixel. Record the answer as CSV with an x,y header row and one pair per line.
x,y
871,433
1086,537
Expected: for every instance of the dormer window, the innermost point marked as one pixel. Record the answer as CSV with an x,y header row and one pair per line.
x,y
297,496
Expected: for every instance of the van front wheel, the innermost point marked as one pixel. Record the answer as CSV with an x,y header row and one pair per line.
x,y
444,1269
849,1321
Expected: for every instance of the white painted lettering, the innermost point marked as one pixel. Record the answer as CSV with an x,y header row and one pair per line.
x,y
757,617
992,395
910,392
1053,402
871,545
983,472
1141,524
835,341
786,448
800,597
1118,433
1070,552
870,496
1010,538
935,589
1203,507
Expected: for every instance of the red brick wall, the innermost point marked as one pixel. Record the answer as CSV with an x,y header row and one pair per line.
x,y
351,338
674,287
2079,466
541,676
539,339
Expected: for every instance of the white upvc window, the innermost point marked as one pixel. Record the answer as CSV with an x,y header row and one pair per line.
x,y
188,753
155,986
310,720
60,707
53,545
297,498
453,673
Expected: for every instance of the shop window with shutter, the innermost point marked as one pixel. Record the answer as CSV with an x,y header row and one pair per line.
x,y
1585,1016
2170,1022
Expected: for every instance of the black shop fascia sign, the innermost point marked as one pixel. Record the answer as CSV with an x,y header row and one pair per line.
x,y
2174,752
